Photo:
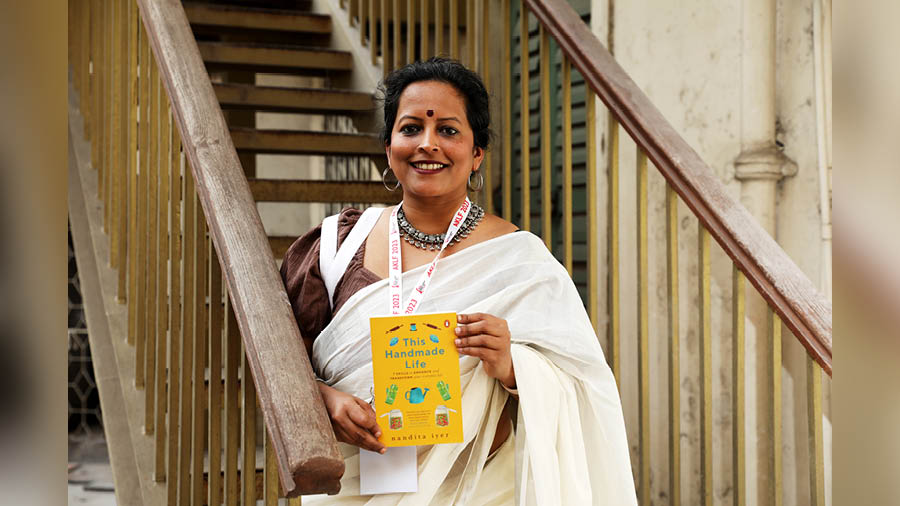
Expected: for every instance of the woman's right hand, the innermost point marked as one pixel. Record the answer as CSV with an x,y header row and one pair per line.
x,y
352,418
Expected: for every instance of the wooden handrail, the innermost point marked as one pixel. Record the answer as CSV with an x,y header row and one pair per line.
x,y
301,434
776,277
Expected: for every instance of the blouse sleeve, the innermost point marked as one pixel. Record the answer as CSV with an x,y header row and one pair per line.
x,y
303,280
304,285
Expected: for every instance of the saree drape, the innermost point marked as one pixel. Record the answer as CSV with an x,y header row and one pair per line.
x,y
570,445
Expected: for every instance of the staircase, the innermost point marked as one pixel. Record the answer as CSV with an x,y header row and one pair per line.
x,y
247,39
184,303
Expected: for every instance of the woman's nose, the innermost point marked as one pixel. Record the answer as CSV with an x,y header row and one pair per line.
x,y
429,141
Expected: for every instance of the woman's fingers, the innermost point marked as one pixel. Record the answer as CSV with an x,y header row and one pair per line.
x,y
471,317
486,324
358,428
364,416
480,340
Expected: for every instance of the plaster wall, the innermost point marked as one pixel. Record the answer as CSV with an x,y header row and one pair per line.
x,y
686,57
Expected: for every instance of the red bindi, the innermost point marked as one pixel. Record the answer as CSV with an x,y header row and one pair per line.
x,y
430,113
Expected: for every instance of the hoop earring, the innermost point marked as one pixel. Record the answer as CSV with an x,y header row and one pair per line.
x,y
384,180
479,184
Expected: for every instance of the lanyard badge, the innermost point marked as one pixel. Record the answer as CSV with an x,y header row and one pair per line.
x,y
395,277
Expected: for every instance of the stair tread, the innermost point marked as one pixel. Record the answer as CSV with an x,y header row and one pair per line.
x,y
306,142
294,190
256,18
276,98
262,56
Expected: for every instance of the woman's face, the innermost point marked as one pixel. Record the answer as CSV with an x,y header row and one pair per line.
x,y
432,148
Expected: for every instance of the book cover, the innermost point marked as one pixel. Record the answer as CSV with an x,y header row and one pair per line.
x,y
416,371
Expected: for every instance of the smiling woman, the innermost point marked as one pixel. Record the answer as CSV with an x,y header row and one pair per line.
x,y
518,310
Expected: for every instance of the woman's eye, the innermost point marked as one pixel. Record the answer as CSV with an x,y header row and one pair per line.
x,y
409,129
448,130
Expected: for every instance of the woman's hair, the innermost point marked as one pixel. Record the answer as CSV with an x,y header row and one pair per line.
x,y
444,70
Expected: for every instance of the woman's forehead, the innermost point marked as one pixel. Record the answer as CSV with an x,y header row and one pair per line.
x,y
441,98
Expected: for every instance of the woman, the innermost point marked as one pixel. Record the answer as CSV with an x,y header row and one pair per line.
x,y
522,328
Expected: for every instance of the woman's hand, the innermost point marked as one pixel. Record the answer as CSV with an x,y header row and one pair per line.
x,y
487,337
352,418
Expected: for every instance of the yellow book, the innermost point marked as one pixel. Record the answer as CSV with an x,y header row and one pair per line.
x,y
416,372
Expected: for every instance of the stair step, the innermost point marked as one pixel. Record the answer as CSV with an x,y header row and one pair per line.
x,y
274,57
294,5
303,100
253,18
306,143
280,190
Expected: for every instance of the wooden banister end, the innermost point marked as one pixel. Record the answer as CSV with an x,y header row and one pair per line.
x,y
318,475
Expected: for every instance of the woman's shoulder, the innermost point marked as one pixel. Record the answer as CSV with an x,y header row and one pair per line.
x,y
308,243
495,226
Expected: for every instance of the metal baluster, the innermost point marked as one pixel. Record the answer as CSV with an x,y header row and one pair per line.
x,y
163,296
133,92
774,423
568,235
424,29
737,387
454,29
248,426
507,111
387,60
674,350
615,348
546,138
485,76
176,186
643,318
232,402
816,444
153,169
706,471
593,248
187,334
525,119
216,320
198,401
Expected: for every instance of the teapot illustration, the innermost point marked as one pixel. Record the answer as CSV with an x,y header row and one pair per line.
x,y
415,395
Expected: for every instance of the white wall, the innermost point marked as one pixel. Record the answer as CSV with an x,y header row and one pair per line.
x,y
686,56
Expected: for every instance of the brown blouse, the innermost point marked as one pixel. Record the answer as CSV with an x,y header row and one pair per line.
x,y
303,279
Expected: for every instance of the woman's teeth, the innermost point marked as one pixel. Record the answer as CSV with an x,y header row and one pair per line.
x,y
428,166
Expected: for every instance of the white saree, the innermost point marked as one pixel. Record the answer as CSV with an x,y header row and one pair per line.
x,y
569,445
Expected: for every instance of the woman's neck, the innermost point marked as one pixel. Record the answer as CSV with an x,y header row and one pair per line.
x,y
431,215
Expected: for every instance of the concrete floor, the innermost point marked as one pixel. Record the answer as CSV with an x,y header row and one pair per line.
x,y
90,475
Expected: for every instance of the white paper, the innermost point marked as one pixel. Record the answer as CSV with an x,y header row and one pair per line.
x,y
395,471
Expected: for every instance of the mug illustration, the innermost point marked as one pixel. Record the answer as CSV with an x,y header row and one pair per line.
x,y
416,395
442,415
390,394
444,390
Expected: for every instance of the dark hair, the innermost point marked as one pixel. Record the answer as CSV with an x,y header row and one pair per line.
x,y
444,70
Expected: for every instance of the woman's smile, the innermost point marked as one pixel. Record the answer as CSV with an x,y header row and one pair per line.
x,y
428,166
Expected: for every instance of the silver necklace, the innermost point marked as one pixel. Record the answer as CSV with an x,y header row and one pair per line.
x,y
434,242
